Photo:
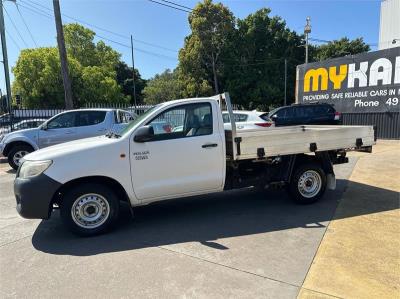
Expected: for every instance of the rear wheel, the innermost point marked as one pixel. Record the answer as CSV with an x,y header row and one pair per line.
x,y
17,153
308,183
89,209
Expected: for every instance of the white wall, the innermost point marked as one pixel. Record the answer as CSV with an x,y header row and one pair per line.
x,y
389,24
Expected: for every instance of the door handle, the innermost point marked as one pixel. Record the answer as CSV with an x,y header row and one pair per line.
x,y
69,132
208,145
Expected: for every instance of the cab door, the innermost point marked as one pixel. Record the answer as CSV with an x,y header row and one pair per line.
x,y
61,128
185,157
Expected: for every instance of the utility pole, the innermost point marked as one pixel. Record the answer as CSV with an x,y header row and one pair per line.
x,y
215,75
284,103
307,31
133,74
5,59
69,104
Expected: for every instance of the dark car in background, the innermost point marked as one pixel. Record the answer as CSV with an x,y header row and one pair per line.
x,y
305,114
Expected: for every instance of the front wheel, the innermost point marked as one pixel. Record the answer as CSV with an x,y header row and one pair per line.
x,y
89,209
17,153
308,183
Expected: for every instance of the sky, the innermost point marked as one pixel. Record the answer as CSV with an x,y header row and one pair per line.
x,y
159,31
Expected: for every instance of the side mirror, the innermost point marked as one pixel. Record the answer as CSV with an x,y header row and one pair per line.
x,y
274,117
143,134
43,127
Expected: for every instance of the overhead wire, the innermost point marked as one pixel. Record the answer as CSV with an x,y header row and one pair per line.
x,y
37,11
101,28
16,28
170,6
13,40
176,4
45,14
26,25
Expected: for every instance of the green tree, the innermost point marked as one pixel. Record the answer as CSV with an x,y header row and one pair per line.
x,y
254,71
99,86
93,70
163,87
212,26
38,77
125,80
341,47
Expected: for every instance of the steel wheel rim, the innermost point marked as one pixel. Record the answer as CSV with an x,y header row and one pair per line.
x,y
309,184
18,156
90,210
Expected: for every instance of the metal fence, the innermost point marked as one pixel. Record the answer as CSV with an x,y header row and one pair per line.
x,y
20,119
139,109
387,124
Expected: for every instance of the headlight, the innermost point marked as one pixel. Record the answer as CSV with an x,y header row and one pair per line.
x,y
33,168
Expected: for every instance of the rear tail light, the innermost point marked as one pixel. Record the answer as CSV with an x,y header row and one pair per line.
x,y
337,115
265,125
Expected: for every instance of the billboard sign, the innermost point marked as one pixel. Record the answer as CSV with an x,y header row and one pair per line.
x,y
368,82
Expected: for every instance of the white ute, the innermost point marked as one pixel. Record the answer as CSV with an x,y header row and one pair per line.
x,y
88,178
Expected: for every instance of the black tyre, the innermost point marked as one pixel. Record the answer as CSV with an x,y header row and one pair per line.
x,y
17,153
89,209
308,183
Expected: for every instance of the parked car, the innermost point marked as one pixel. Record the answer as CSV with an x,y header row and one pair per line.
x,y
63,127
247,120
305,114
87,179
24,124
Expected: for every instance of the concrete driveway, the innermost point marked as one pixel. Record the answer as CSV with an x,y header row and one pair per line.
x,y
243,244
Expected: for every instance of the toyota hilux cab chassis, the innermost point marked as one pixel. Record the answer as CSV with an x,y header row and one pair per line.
x,y
189,154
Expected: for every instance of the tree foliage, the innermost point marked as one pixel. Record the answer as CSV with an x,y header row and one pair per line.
x,y
248,56
94,69
341,47
255,71
125,80
213,27
163,87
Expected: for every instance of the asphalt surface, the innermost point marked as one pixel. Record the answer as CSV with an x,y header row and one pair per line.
x,y
242,244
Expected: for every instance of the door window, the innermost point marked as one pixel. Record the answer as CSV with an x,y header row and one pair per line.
x,y
90,118
183,121
302,112
281,113
65,120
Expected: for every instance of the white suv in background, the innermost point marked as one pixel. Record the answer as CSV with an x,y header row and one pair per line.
x,y
63,127
248,120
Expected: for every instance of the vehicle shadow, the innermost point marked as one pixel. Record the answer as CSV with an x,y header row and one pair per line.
x,y
205,219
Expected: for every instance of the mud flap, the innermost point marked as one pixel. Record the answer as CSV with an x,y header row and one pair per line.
x,y
331,181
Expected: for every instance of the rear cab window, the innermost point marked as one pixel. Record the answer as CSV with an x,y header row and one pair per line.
x,y
90,118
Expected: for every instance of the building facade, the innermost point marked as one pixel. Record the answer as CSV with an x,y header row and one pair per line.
x,y
365,88
389,29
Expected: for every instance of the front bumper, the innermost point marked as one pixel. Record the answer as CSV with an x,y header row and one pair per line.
x,y
34,196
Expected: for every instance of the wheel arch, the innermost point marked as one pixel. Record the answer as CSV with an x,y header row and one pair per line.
x,y
321,158
12,144
113,184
